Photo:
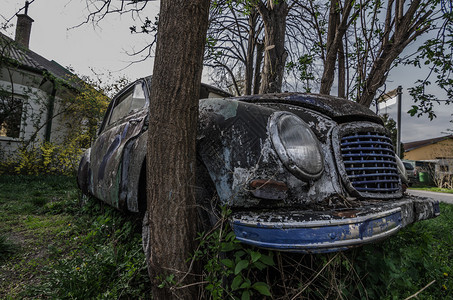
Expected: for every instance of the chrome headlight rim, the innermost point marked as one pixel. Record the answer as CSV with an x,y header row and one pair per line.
x,y
296,168
401,169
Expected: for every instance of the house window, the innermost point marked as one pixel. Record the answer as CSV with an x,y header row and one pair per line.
x,y
10,115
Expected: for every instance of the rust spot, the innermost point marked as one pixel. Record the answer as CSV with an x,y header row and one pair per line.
x,y
268,189
268,184
346,213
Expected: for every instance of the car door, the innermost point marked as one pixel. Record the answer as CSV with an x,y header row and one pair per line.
x,y
123,121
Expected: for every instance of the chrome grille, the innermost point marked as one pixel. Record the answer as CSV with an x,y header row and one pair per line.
x,y
370,163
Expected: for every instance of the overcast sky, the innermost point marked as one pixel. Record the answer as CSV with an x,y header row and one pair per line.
x,y
105,47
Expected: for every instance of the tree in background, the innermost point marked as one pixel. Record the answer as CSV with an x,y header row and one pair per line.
x,y
247,38
234,42
356,44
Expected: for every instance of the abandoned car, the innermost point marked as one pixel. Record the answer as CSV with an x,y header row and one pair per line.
x,y
300,172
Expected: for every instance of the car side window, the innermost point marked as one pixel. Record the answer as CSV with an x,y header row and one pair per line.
x,y
130,102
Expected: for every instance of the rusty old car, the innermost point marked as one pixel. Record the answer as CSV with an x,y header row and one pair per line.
x,y
300,172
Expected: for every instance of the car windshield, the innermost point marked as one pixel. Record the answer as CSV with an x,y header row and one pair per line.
x,y
130,102
408,166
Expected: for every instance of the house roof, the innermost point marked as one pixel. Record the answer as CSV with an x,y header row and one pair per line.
x,y
418,144
32,61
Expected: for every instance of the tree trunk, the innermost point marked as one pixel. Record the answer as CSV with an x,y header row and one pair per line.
x,y
341,72
259,60
171,144
338,25
274,19
251,45
406,29
331,51
378,73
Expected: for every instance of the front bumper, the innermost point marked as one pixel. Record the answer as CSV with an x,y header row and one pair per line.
x,y
330,231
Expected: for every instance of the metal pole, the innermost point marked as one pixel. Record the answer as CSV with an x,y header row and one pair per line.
x,y
398,129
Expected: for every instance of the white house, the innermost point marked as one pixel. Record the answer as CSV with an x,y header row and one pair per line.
x,y
32,89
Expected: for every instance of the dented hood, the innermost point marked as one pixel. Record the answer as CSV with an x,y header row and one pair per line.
x,y
336,108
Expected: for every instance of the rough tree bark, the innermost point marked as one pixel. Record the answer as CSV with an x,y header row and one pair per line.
x,y
338,24
251,45
171,144
341,71
274,19
258,61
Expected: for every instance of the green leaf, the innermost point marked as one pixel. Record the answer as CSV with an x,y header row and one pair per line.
x,y
162,285
239,254
226,247
262,288
227,262
255,256
413,110
236,282
267,259
230,236
245,285
259,265
245,295
241,266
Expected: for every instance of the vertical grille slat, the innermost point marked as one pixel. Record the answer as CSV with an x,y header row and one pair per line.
x,y
370,163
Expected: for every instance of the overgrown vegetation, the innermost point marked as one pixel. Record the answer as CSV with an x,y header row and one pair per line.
x,y
65,248
43,158
417,260
53,245
432,189
7,248
48,128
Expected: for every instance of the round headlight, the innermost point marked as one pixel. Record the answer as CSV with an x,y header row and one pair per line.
x,y
296,145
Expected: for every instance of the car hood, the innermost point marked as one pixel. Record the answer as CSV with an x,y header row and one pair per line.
x,y
339,109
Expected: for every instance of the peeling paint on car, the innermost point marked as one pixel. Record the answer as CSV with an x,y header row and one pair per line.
x,y
239,166
225,109
113,147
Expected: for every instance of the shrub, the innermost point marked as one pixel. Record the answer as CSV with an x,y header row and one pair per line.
x,y
231,270
43,158
417,258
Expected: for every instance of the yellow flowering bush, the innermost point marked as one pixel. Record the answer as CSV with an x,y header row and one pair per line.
x,y
80,113
44,158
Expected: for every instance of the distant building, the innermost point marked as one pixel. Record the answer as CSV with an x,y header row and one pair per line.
x,y
31,91
434,157
430,149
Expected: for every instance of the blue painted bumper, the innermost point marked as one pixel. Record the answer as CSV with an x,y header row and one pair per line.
x,y
328,231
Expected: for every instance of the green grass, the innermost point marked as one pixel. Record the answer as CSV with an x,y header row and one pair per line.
x,y
52,246
417,256
7,248
432,189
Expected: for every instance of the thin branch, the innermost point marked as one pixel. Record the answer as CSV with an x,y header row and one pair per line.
x,y
18,12
416,294
314,277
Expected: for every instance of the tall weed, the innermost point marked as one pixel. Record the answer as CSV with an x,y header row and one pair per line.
x,y
108,264
420,257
